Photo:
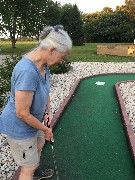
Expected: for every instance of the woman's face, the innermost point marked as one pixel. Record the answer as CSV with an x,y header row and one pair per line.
x,y
56,58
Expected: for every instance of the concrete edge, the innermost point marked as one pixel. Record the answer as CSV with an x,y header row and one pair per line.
x,y
63,106
126,121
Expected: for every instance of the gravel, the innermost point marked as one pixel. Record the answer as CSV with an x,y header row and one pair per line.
x,y
60,88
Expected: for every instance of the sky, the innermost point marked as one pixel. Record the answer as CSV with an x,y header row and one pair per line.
x,y
91,6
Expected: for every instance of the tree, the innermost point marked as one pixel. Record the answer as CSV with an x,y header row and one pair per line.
x,y
120,8
72,21
16,15
46,12
27,17
10,18
89,31
92,16
130,7
107,10
115,27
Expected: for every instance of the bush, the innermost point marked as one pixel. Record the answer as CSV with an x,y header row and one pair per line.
x,y
62,67
5,77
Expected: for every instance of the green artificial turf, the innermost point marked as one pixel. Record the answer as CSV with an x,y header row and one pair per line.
x,y
90,140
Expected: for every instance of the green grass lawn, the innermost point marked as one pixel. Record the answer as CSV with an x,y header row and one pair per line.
x,y
85,53
21,47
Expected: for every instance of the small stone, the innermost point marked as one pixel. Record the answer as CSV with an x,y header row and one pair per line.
x,y
60,87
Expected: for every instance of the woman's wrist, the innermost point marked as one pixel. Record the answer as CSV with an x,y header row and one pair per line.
x,y
45,128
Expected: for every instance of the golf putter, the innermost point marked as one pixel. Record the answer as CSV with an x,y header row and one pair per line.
x,y
54,157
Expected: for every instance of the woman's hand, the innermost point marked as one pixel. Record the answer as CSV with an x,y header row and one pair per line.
x,y
48,132
49,135
47,119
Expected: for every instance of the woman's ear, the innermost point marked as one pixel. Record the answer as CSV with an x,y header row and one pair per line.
x,y
52,50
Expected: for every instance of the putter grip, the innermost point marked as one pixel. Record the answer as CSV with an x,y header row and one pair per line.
x,y
49,127
48,123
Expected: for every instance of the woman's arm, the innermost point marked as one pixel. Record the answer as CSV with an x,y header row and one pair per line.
x,y
48,108
23,102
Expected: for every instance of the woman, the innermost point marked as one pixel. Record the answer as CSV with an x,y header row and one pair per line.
x,y
29,102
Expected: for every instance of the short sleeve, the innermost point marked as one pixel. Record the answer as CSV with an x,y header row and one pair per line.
x,y
26,80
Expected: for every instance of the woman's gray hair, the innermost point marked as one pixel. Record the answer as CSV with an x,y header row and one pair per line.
x,y
55,37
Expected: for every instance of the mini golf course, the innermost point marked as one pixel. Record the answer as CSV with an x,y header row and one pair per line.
x,y
90,138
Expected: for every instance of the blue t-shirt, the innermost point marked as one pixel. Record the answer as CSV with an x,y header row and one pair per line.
x,y
25,76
